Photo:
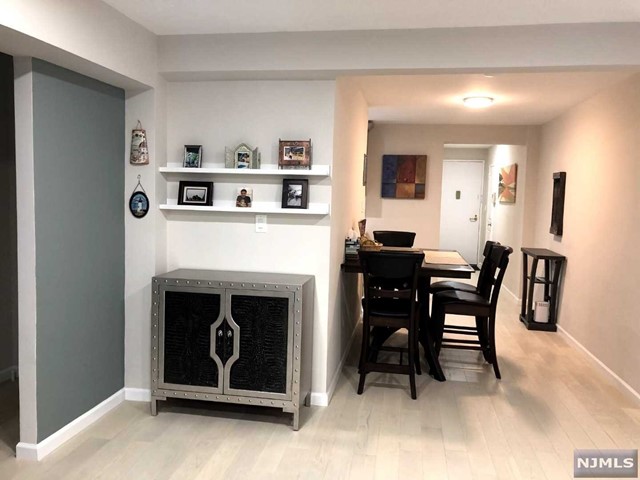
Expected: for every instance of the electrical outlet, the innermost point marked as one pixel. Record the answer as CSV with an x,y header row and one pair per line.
x,y
261,223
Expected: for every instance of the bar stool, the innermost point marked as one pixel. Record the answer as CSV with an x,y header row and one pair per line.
x,y
481,305
386,306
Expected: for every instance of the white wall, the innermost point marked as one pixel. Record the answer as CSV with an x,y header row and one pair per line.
x,y
90,30
508,218
422,216
145,252
323,54
25,210
219,114
597,145
347,199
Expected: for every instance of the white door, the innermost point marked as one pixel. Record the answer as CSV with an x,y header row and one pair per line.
x,y
460,220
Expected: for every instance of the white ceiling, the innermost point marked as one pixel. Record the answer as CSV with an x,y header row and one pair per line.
x,y
179,17
520,98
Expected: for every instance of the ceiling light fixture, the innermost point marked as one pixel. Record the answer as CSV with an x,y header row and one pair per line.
x,y
477,102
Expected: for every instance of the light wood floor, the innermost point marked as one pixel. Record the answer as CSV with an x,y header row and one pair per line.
x,y
552,399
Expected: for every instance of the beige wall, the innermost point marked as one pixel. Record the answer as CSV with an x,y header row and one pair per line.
x,y
508,218
598,143
422,216
347,207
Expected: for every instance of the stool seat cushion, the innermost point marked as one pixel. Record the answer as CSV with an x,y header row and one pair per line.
x,y
456,296
451,285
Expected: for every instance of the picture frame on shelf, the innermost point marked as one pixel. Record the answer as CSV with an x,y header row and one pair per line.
x,y
295,193
244,199
294,154
195,193
243,156
192,156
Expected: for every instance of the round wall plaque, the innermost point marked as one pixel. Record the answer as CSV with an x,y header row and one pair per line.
x,y
139,204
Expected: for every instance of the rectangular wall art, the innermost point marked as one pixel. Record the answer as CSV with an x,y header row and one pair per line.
x,y
507,182
404,176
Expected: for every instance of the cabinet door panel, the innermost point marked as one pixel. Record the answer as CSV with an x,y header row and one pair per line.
x,y
261,362
189,319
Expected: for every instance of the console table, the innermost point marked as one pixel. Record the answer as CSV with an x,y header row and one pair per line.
x,y
234,337
553,263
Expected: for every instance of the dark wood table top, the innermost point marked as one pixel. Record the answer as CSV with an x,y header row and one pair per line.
x,y
352,265
542,253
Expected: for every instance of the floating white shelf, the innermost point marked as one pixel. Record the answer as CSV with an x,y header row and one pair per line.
x,y
316,171
261,208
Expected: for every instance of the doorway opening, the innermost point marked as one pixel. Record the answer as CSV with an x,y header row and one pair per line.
x,y
9,392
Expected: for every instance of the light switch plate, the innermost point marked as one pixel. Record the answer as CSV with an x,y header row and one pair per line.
x,y
261,223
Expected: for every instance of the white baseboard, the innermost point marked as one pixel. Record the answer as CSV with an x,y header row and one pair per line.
x,y
323,399
606,369
516,298
137,394
36,452
319,399
9,373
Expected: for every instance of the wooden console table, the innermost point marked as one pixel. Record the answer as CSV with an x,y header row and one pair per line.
x,y
553,263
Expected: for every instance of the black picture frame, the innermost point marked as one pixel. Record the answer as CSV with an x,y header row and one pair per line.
x,y
295,193
557,207
139,204
192,156
189,193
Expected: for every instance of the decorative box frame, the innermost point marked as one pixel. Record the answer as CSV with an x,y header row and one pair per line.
x,y
285,155
231,156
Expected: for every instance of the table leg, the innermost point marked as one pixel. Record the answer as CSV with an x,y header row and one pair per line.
x,y
425,335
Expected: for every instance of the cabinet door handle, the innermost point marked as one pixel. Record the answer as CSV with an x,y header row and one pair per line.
x,y
229,333
219,333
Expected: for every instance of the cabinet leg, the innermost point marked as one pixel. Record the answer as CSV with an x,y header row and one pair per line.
x,y
307,400
296,420
154,407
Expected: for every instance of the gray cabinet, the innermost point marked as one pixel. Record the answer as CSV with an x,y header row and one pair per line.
x,y
234,337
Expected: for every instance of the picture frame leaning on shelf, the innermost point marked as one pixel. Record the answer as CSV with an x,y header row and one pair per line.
x,y
243,156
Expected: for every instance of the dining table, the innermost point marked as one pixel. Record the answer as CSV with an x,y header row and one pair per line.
x,y
437,263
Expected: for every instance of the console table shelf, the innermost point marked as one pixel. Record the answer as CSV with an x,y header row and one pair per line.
x,y
553,263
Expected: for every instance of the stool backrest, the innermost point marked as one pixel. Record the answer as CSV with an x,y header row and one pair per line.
x,y
392,238
498,261
390,274
485,270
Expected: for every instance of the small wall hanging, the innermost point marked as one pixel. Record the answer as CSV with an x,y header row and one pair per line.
x,y
139,148
508,180
404,176
557,207
139,202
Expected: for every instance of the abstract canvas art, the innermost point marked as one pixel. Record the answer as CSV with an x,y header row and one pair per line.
x,y
404,176
507,182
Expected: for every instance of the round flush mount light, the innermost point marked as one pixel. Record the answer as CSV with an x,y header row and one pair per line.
x,y
477,102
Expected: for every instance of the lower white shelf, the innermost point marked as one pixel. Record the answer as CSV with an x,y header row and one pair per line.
x,y
265,207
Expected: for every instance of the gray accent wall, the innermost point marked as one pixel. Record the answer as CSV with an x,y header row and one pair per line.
x,y
8,245
79,148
